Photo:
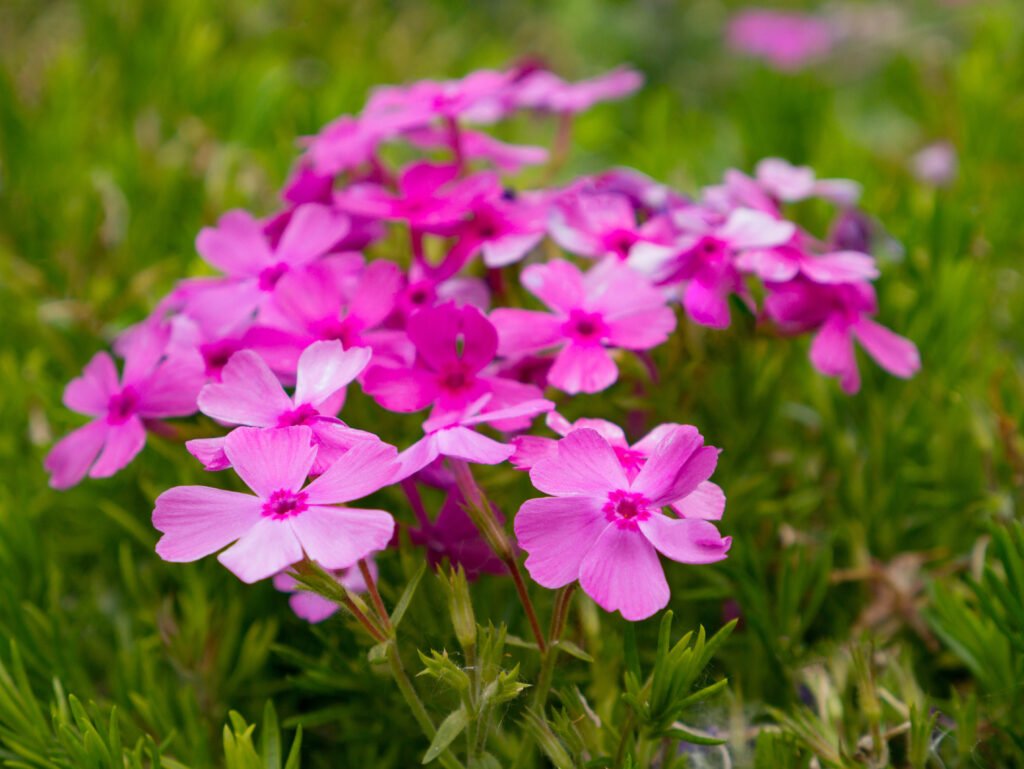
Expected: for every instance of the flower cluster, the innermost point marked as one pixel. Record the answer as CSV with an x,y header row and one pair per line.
x,y
444,285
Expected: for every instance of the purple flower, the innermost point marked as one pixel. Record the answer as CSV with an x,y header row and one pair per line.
x,y
611,305
283,521
606,530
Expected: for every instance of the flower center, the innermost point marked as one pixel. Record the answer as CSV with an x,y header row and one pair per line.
x,y
585,327
630,459
284,504
302,415
270,276
216,356
121,406
456,380
345,331
626,509
619,242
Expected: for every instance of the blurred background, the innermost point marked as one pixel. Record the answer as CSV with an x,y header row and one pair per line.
x,y
125,127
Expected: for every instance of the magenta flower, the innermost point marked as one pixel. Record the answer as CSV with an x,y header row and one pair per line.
x,y
785,262
704,257
429,196
283,521
479,97
504,231
839,314
239,248
787,41
451,434
454,346
314,608
606,530
597,225
249,394
706,502
611,305
545,91
474,145
153,387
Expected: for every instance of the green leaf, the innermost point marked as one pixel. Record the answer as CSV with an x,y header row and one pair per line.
x,y
449,729
573,650
406,598
693,736
270,738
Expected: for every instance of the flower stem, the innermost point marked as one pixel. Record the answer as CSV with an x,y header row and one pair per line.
x,y
415,704
378,604
547,666
482,515
368,624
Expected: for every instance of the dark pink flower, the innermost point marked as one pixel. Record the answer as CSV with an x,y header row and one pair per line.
x,y
285,519
606,530
454,537
152,387
610,306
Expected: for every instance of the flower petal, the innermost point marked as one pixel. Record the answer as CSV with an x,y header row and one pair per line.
x,y
894,353
337,537
585,465
267,548
559,284
622,573
363,469
271,460
521,331
686,540
90,393
676,466
463,443
706,502
326,367
583,368
248,393
311,231
197,521
558,532
123,443
70,458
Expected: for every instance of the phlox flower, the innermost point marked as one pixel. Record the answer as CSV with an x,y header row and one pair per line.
x,y
315,608
706,501
423,289
454,346
704,256
474,145
597,225
788,183
249,394
479,97
503,230
239,248
153,386
283,521
429,196
451,434
545,91
610,306
838,314
606,530
453,536
935,164
787,41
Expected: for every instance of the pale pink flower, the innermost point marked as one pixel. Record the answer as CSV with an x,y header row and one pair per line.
x,y
606,530
610,306
787,41
545,91
935,164
597,225
249,394
283,521
153,386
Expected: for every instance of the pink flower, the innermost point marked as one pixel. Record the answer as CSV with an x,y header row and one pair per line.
x,y
606,530
935,164
839,314
474,145
611,305
543,90
283,521
152,387
249,394
429,196
454,346
314,608
790,184
503,230
239,247
451,434
704,255
596,225
787,41
479,97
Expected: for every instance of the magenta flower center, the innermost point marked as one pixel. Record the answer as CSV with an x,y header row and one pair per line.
x,y
216,355
270,276
626,509
619,242
302,415
284,504
122,406
345,331
585,327
456,379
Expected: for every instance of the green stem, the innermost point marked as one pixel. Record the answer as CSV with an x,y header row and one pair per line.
x,y
547,667
415,704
